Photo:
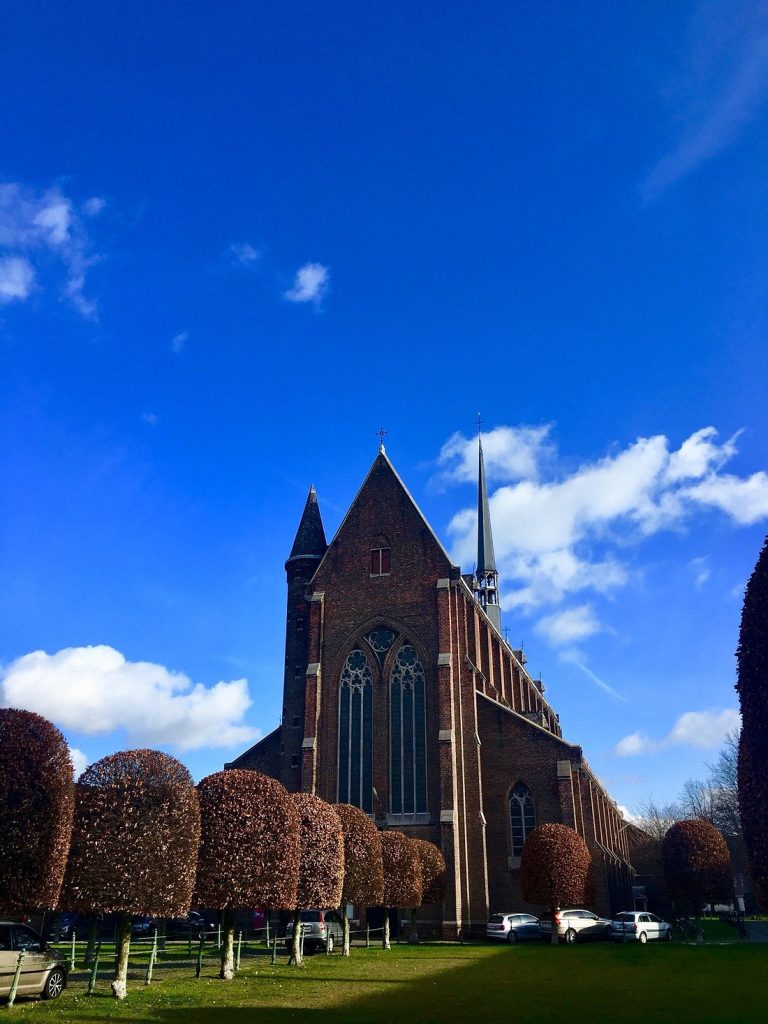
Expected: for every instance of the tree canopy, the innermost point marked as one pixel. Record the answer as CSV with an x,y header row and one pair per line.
x,y
697,864
363,871
555,867
36,810
402,871
432,871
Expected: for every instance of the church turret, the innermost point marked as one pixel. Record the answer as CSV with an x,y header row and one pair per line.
x,y
487,578
306,554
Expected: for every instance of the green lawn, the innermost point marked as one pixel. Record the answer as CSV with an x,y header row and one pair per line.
x,y
592,983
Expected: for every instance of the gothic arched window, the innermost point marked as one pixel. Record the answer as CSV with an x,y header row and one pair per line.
x,y
356,732
407,734
522,817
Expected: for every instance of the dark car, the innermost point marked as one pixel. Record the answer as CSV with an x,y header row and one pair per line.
x,y
43,969
513,928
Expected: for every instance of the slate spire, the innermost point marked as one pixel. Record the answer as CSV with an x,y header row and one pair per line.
x,y
310,537
487,585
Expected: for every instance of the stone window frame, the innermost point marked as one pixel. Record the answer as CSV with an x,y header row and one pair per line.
x,y
519,793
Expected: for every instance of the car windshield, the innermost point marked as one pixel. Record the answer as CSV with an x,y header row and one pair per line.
x,y
311,915
497,919
624,917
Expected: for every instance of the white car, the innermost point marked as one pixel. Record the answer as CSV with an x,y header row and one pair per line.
x,y
575,924
639,926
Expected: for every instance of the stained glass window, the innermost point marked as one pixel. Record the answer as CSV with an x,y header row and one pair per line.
x,y
521,815
381,639
355,785
408,734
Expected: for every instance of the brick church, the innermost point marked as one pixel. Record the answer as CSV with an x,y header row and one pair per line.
x,y
402,696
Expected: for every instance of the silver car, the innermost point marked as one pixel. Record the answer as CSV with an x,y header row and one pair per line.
x,y
639,926
322,929
573,925
43,969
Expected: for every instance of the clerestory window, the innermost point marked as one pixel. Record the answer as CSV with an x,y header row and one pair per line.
x,y
408,734
522,816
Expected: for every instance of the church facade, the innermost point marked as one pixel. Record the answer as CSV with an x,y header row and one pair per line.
x,y
401,696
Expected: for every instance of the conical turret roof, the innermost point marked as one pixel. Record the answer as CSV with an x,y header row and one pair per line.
x,y
310,537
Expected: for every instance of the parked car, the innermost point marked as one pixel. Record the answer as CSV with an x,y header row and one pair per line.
x,y
322,929
43,969
573,925
143,925
513,928
639,926
193,923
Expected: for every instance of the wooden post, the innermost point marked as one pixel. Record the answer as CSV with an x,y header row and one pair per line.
x,y
239,947
218,935
274,950
15,982
199,964
72,955
367,935
266,937
151,964
94,969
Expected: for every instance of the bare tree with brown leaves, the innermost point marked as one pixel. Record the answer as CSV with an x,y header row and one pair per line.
x,y
321,869
134,843
555,869
36,807
249,849
697,866
363,871
432,878
402,875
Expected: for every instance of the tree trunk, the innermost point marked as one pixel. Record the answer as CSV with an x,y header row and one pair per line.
x,y
162,932
295,958
345,931
554,939
119,984
227,964
699,932
385,939
413,938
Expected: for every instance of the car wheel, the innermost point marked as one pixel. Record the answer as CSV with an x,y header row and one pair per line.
x,y
642,938
570,936
329,945
511,937
55,984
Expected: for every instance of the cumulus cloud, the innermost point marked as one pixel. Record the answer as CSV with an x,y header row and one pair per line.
x,y
559,532
569,625
150,418
720,89
700,569
243,254
178,341
42,235
17,278
701,729
309,285
94,690
79,761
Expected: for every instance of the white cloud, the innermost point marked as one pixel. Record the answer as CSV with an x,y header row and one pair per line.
x,y
150,418
95,690
569,625
243,254
92,207
79,761
309,285
574,657
701,729
17,278
700,569
44,232
720,89
178,341
562,532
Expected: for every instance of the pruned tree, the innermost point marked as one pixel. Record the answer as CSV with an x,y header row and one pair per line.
x,y
697,866
321,867
402,875
432,878
752,686
36,807
134,843
363,871
555,869
249,849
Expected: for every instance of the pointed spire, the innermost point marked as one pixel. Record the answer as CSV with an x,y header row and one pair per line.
x,y
310,537
487,585
486,562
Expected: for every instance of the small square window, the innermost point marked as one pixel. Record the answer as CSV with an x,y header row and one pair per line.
x,y
380,561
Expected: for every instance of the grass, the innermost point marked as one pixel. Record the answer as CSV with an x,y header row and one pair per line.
x,y
595,983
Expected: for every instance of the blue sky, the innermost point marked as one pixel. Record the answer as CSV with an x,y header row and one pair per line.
x,y
236,240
